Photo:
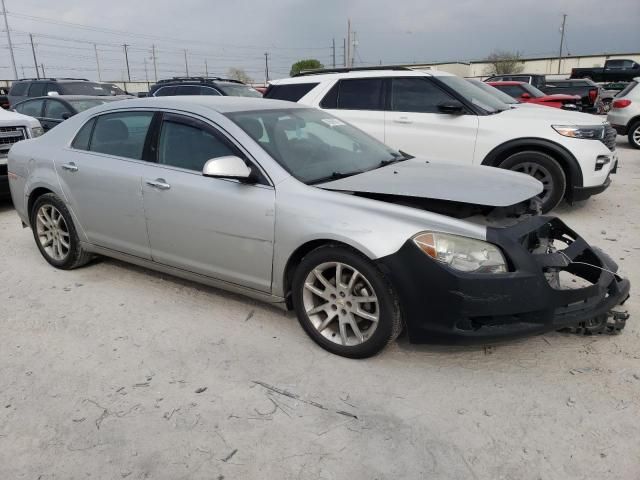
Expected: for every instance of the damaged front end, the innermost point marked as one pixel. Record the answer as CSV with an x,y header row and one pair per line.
x,y
555,280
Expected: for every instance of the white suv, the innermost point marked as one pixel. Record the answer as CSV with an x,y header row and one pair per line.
x,y
625,112
444,117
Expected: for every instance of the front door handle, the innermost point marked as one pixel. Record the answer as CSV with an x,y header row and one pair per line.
x,y
158,183
402,120
70,167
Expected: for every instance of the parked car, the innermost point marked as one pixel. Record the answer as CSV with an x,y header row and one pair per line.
x,y
13,129
590,93
114,89
529,94
503,97
537,80
202,86
443,117
291,205
51,111
33,87
625,113
4,99
618,70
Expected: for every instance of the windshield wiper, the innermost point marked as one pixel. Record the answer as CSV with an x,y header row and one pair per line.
x,y
334,176
400,156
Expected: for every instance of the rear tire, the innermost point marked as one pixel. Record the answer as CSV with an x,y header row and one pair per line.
x,y
55,234
634,135
542,167
355,316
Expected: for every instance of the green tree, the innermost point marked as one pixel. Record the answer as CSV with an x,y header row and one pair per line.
x,y
309,64
502,62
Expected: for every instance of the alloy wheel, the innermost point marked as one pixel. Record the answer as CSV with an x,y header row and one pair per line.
x,y
341,303
636,136
52,232
540,173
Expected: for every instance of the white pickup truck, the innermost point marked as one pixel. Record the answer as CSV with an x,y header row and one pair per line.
x,y
13,128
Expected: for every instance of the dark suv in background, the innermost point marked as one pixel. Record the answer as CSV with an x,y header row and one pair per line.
x,y
41,87
202,86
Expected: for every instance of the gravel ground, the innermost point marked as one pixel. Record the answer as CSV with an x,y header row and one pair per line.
x,y
112,371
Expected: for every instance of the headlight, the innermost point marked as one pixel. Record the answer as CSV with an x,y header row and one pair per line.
x,y
589,132
36,132
462,253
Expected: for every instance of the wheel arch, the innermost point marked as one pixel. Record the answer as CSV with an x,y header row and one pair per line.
x,y
565,158
33,196
299,253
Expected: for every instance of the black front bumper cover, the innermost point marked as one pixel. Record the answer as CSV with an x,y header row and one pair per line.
x,y
441,305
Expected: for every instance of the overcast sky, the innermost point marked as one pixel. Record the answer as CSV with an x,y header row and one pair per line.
x,y
238,32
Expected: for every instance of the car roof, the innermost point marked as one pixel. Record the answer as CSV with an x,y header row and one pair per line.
x,y
220,104
318,77
507,82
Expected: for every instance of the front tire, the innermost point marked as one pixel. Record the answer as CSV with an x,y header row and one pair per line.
x,y
634,135
344,303
55,234
544,168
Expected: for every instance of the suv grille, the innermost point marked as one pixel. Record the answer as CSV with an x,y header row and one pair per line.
x,y
609,138
9,136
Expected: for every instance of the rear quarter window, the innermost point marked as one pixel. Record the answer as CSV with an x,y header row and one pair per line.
x,y
81,142
291,92
19,89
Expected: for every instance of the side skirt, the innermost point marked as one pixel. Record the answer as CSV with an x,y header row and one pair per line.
x,y
187,275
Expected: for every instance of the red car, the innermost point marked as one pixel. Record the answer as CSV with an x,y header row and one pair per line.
x,y
523,92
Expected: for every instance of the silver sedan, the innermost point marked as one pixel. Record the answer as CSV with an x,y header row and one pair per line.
x,y
293,206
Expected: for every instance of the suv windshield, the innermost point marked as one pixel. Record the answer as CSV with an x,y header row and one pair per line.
x,y
312,145
473,94
83,88
238,90
503,97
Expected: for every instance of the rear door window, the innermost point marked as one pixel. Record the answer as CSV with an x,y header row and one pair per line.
x,y
37,89
54,109
33,108
209,91
165,92
188,90
19,89
122,134
416,95
291,92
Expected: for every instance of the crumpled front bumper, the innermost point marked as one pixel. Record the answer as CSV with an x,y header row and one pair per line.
x,y
441,305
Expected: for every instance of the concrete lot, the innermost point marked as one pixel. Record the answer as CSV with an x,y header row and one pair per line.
x,y
100,370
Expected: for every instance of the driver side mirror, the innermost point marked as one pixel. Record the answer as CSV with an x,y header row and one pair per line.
x,y
525,95
452,107
231,167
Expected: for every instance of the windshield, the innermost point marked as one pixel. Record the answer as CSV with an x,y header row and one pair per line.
x,y
84,88
82,105
533,91
503,97
238,90
473,94
113,89
312,145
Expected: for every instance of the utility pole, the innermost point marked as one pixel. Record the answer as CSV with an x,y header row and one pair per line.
x,y
206,69
186,63
95,47
354,44
564,20
22,67
348,43
35,60
344,52
155,66
44,75
126,58
266,68
333,49
146,73
6,27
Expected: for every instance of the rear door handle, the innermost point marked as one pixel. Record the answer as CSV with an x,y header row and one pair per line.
x,y
70,167
402,120
158,183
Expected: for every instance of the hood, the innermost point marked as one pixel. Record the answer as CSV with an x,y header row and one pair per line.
x,y
553,116
12,119
471,184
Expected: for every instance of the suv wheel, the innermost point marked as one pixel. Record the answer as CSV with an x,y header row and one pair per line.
x,y
634,135
344,303
55,233
544,168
